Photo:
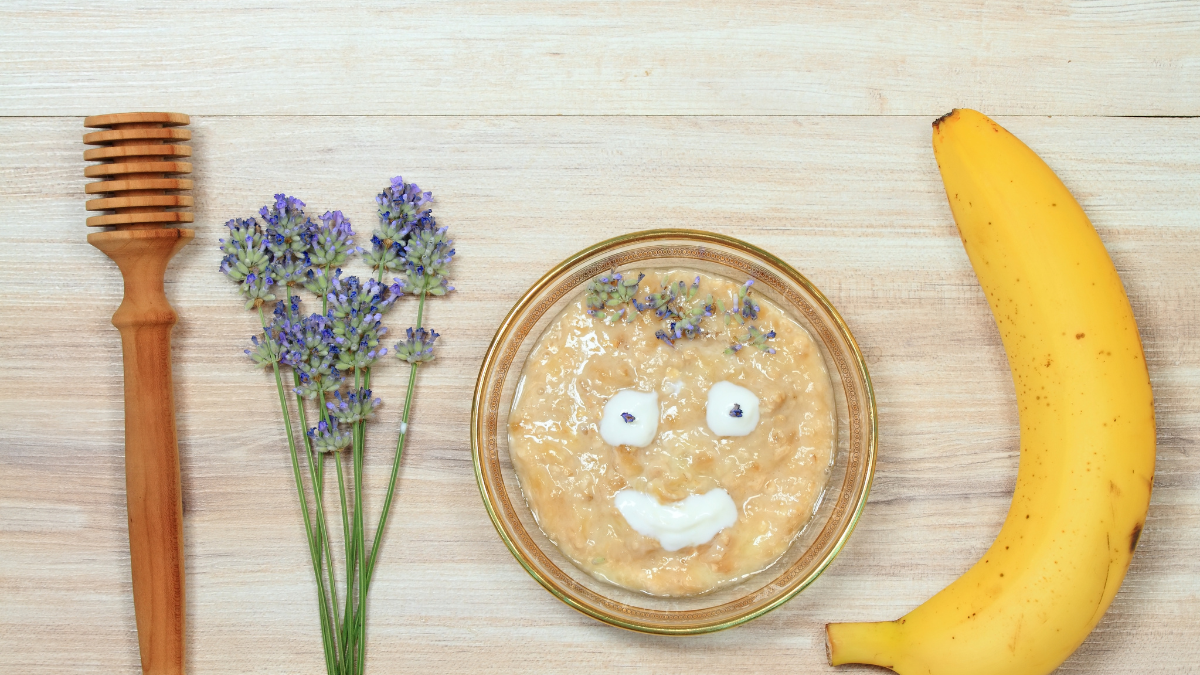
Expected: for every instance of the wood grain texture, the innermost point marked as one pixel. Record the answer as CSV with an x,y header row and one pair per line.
x,y
142,250
154,498
854,203
658,57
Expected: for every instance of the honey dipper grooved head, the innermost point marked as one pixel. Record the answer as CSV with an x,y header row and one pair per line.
x,y
139,165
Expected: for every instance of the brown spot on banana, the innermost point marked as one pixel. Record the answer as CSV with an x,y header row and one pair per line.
x,y
1012,644
943,118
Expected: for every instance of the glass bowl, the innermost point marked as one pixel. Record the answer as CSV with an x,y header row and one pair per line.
x,y
813,548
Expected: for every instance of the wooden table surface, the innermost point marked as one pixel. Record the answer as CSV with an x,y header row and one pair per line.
x,y
541,127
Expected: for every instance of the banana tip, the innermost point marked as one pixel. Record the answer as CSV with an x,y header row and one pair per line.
x,y
943,118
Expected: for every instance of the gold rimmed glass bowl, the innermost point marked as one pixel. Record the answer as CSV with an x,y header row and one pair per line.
x,y
814,547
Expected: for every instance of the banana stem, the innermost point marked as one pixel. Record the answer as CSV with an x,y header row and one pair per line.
x,y
871,643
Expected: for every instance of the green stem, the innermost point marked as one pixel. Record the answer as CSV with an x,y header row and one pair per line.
x,y
355,622
347,545
339,620
412,374
391,491
355,617
325,296
359,537
420,309
308,532
322,534
347,615
348,542
318,482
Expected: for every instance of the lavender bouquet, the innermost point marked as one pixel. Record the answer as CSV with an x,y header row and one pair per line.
x,y
330,355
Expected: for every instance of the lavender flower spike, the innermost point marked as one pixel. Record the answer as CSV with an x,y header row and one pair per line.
x,y
418,348
333,241
356,312
401,205
248,261
355,406
327,437
288,229
316,352
265,351
427,258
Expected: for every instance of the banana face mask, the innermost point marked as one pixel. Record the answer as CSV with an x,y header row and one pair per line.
x,y
671,442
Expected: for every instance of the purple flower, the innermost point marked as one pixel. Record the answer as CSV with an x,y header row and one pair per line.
x,y
611,295
672,304
288,229
265,351
283,212
354,406
312,351
418,347
356,313
400,205
427,258
332,241
754,337
327,437
248,261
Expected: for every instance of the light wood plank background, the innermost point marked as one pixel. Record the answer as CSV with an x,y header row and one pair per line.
x,y
651,57
542,127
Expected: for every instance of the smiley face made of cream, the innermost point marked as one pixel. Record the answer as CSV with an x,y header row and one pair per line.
x,y
673,432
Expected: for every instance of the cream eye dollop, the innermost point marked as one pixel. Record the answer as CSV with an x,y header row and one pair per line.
x,y
630,418
731,410
689,522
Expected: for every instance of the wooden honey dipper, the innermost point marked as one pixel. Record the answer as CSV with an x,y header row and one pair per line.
x,y
138,153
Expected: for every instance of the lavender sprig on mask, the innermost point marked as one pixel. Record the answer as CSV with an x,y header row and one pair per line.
x,y
753,337
674,304
612,296
744,310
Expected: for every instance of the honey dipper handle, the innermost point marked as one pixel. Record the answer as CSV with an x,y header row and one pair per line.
x,y
145,319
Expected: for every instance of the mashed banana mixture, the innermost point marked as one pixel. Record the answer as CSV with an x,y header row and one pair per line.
x,y
673,334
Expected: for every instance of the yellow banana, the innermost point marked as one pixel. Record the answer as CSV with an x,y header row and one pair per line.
x,y
1086,419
